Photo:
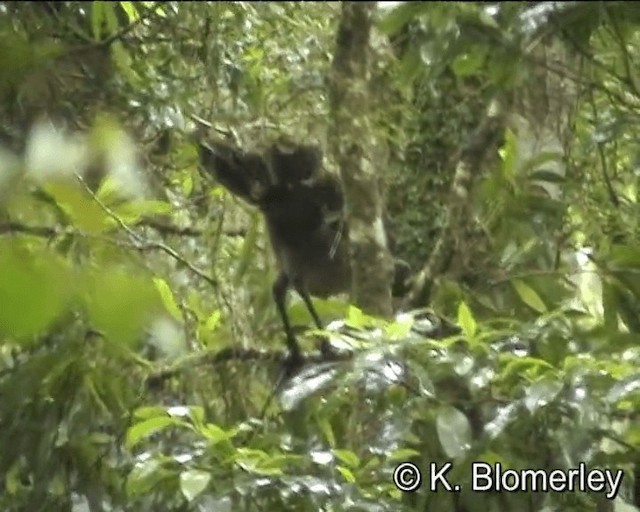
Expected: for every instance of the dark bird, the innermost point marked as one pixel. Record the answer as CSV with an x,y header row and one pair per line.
x,y
303,210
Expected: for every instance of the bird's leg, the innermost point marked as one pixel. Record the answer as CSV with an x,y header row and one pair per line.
x,y
280,288
325,346
302,291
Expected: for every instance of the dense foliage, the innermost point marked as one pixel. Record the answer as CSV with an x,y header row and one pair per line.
x,y
140,351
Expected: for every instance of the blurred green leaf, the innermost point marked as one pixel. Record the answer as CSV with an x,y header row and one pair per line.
x,y
122,304
529,296
83,211
397,17
35,289
97,18
470,62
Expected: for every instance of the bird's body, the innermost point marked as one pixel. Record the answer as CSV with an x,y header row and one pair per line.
x,y
303,211
317,258
305,228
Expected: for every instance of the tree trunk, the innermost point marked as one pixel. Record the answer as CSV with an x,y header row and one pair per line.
x,y
351,144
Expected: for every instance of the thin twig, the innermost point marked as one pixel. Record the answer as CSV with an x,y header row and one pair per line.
x,y
141,244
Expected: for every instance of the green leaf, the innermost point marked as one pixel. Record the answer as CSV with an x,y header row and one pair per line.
x,y
213,321
111,17
519,365
148,427
398,17
355,317
196,413
122,305
346,474
624,256
466,320
529,296
35,289
509,154
97,19
124,63
410,66
131,211
85,213
186,185
248,248
130,9
347,457
454,431
257,462
470,62
327,430
403,454
217,434
622,389
167,297
145,476
144,413
193,482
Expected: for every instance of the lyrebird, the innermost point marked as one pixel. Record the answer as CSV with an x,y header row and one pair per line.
x,y
303,210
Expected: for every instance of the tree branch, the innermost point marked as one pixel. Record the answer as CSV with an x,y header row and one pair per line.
x,y
470,160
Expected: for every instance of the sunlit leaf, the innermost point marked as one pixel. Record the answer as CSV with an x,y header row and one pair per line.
x,y
356,317
623,388
346,474
509,154
213,321
466,320
144,477
541,392
186,185
130,9
168,299
193,482
454,431
148,427
347,457
144,413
